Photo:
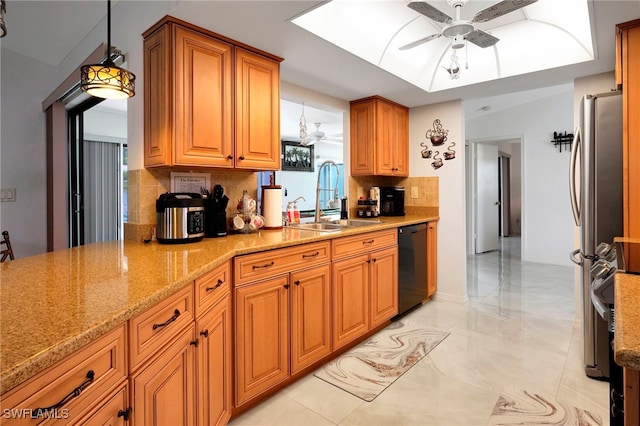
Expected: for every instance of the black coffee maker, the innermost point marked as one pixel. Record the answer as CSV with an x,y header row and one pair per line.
x,y
392,200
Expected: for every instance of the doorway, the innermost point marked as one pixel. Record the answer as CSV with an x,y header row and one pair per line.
x,y
97,171
494,191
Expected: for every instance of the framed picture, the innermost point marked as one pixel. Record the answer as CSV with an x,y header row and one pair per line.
x,y
296,157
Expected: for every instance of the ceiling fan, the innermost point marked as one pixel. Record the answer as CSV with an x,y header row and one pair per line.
x,y
320,136
459,30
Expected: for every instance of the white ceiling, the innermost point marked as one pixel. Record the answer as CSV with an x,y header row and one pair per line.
x,y
48,30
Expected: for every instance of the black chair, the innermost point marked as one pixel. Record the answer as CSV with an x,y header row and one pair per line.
x,y
8,252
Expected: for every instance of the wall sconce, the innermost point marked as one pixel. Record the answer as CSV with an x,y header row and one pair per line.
x,y
562,139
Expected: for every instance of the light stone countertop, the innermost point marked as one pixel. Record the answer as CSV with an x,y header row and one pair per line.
x,y
54,303
627,316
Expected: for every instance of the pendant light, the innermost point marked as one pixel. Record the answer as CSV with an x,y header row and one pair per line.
x,y
106,80
3,11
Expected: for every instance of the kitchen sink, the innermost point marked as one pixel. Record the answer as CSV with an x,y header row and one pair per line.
x,y
333,226
355,222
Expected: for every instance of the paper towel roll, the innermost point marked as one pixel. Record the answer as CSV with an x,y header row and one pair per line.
x,y
272,207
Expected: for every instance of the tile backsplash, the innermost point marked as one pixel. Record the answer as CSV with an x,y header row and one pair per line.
x,y
146,185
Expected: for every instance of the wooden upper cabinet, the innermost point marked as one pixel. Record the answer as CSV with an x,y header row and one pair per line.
x,y
379,138
628,71
203,100
209,101
257,112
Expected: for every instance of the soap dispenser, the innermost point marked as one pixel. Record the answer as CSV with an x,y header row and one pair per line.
x,y
296,213
290,214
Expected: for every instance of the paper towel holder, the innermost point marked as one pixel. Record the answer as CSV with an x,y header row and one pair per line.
x,y
265,191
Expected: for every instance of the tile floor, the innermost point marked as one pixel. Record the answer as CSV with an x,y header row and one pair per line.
x,y
517,331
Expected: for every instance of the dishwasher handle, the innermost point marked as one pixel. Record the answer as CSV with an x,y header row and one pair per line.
x,y
412,229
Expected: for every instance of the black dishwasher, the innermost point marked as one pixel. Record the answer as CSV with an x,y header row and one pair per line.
x,y
412,266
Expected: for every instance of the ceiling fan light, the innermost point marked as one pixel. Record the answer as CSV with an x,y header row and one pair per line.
x,y
457,29
107,81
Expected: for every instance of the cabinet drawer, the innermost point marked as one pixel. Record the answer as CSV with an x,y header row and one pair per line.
x,y
75,384
210,287
153,328
363,243
252,267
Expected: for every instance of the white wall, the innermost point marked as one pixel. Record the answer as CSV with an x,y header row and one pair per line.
x,y
23,147
452,259
547,230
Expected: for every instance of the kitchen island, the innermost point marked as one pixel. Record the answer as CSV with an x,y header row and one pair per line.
x,y
55,303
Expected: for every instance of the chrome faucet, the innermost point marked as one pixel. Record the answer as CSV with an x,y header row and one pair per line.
x,y
318,189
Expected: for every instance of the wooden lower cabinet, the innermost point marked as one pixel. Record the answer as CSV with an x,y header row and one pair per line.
x,y
164,389
350,284
80,386
262,336
214,365
116,411
631,397
432,261
383,285
310,316
364,286
282,327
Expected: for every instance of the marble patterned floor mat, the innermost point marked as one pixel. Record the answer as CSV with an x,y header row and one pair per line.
x,y
521,407
369,368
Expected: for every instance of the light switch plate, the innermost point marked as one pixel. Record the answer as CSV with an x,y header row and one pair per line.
x,y
414,192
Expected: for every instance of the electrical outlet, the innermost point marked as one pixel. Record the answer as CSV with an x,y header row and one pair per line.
x,y
7,194
414,192
360,192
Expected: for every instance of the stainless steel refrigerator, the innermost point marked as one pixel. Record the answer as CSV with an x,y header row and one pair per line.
x,y
596,198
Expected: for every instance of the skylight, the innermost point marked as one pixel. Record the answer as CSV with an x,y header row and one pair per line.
x,y
543,35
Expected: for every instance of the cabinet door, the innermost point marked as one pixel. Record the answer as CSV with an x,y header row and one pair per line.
x,y
386,139
158,132
432,258
257,112
392,139
203,113
362,138
350,296
401,157
262,339
384,285
164,390
310,316
115,411
214,364
631,128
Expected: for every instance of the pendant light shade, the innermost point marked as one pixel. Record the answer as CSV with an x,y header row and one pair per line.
x,y
3,11
106,80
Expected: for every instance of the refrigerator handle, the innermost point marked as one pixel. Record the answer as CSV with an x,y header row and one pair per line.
x,y
575,147
574,258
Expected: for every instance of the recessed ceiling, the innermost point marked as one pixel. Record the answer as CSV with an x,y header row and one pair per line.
x,y
543,35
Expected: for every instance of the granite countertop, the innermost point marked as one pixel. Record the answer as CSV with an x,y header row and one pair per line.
x,y
626,342
54,303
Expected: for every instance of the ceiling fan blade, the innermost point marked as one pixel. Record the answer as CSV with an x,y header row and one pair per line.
x,y
430,12
481,38
499,9
419,42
